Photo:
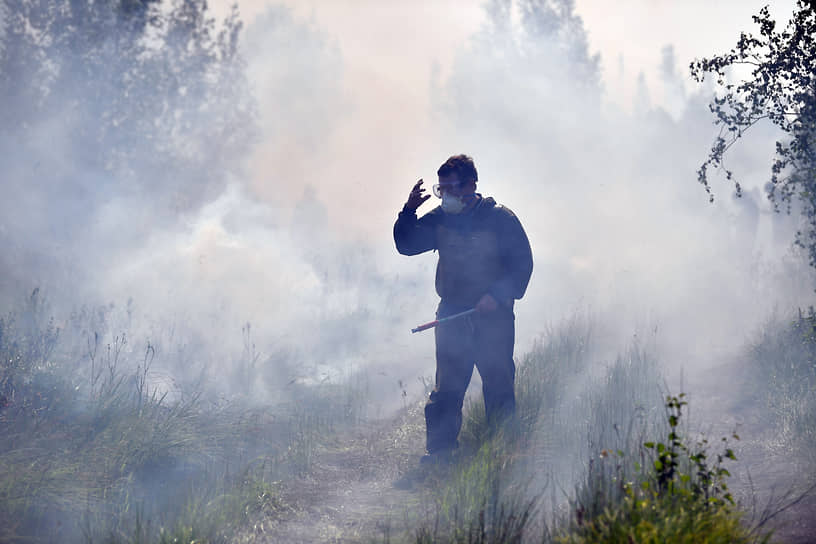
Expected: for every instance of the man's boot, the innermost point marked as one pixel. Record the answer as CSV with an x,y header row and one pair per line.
x,y
443,419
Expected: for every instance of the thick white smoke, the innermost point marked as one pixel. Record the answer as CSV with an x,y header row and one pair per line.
x,y
287,223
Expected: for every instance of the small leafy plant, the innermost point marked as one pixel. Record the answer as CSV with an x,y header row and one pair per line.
x,y
703,479
680,496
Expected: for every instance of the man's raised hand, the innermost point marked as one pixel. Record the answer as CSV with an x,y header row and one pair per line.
x,y
417,196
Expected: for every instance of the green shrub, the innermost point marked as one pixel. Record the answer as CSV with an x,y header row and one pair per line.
x,y
660,519
680,496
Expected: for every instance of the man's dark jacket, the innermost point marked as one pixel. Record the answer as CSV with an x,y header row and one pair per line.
x,y
483,250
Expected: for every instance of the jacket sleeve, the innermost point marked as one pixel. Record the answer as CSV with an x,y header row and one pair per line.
x,y
414,236
516,258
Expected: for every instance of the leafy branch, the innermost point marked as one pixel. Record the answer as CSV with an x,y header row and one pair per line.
x,y
781,89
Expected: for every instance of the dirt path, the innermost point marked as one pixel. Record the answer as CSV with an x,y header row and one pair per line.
x,y
349,494
767,475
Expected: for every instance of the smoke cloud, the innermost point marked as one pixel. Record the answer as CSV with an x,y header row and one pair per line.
x,y
263,189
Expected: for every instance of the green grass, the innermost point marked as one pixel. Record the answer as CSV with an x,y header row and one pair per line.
x,y
93,452
215,509
782,361
480,497
474,500
640,481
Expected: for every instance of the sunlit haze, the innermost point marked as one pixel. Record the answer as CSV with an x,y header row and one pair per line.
x,y
203,301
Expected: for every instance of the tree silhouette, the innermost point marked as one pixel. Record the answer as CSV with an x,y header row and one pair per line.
x,y
139,94
530,60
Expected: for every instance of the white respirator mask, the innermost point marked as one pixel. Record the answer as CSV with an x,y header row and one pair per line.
x,y
452,204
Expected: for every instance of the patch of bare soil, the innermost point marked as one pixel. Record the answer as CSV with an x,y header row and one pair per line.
x,y
365,484
770,480
359,488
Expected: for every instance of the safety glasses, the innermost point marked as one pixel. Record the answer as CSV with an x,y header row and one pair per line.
x,y
439,188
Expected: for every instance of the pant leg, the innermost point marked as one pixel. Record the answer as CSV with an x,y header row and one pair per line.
x,y
454,368
495,339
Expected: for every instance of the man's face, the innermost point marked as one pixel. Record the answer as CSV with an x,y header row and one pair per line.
x,y
451,185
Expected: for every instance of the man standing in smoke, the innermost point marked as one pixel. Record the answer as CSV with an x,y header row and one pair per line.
x,y
485,263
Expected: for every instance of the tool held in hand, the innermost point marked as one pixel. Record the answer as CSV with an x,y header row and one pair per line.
x,y
433,324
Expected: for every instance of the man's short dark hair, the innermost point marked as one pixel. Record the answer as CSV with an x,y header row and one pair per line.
x,y
462,166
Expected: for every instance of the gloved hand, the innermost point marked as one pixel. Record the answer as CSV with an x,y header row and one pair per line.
x,y
417,197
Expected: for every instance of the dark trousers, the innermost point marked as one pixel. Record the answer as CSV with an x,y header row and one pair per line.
x,y
483,340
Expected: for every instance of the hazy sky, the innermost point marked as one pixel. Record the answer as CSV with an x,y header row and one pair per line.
x,y
638,29
389,50
390,45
